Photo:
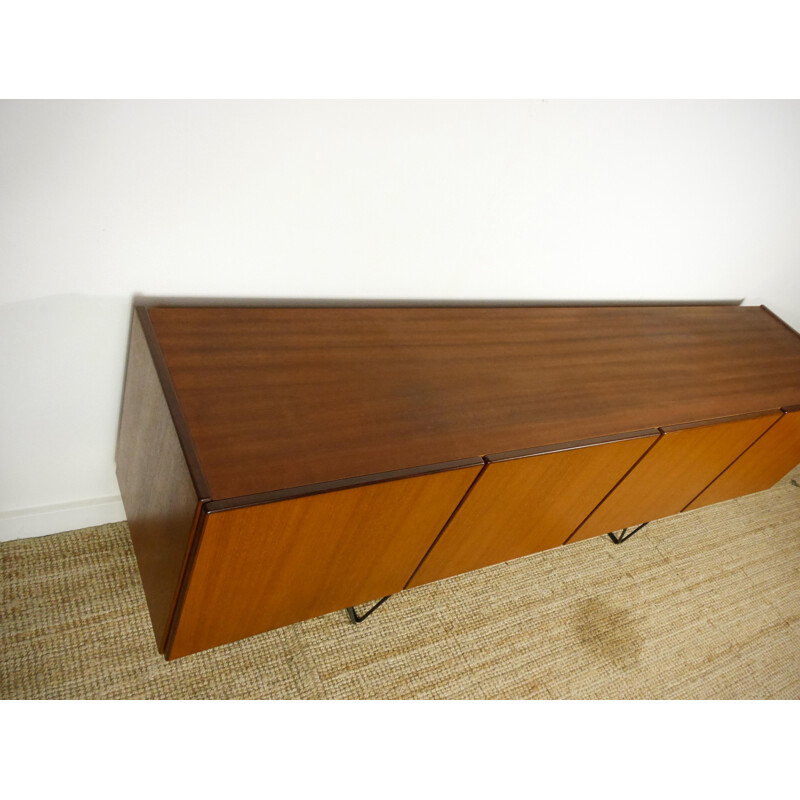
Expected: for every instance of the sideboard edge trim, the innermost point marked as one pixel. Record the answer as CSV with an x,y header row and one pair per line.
x,y
276,496
577,444
702,423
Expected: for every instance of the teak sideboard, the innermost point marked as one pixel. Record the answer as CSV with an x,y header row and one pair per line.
x,y
282,462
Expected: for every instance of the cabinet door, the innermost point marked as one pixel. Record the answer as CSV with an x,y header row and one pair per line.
x,y
764,463
530,501
266,566
685,460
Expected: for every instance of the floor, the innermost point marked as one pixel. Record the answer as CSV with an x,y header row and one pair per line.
x,y
701,605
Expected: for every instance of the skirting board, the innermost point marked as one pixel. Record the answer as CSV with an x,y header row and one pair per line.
x,y
24,523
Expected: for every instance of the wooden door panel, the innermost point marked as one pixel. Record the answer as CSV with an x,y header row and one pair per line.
x,y
521,505
764,463
266,566
685,460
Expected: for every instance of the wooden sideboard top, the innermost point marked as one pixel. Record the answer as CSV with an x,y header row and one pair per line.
x,y
270,398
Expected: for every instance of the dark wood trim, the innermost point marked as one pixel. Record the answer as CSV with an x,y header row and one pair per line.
x,y
299,302
562,446
331,486
791,409
718,420
167,386
782,322
449,520
191,555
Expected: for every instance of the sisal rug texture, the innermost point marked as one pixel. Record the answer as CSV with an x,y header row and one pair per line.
x,y
701,605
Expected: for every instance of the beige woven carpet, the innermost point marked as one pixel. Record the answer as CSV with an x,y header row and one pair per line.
x,y
704,605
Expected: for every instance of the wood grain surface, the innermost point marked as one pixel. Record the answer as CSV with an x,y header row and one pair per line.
x,y
276,398
157,490
266,566
523,505
679,466
762,465
173,403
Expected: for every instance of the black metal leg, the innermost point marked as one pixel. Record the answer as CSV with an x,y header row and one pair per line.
x,y
624,536
356,618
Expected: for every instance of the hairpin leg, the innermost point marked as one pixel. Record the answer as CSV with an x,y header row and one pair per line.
x,y
356,618
624,536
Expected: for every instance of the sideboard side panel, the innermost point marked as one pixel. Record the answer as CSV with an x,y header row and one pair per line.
x,y
157,489
681,464
266,566
760,466
525,505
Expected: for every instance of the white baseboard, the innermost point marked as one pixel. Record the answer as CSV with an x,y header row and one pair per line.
x,y
44,520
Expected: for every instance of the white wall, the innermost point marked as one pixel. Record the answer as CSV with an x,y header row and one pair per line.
x,y
510,200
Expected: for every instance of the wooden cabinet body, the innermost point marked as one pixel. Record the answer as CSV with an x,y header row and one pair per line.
x,y
280,462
